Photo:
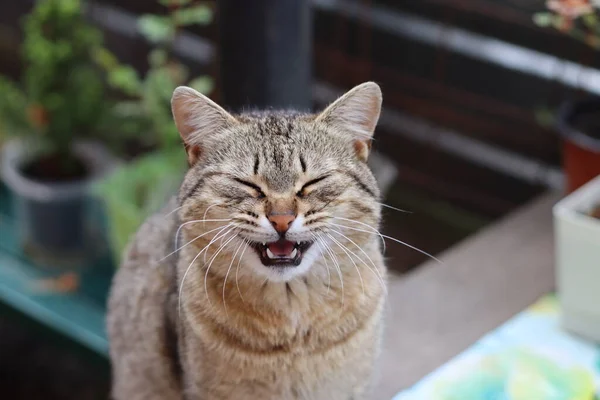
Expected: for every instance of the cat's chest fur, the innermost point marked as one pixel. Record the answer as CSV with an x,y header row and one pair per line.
x,y
294,340
235,374
308,339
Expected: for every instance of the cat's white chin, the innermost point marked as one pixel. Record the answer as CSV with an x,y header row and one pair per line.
x,y
279,273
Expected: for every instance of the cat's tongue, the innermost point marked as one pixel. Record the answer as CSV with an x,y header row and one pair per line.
x,y
281,248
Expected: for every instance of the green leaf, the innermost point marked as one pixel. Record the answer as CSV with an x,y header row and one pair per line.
x,y
197,15
125,122
544,19
156,28
13,109
562,24
156,99
126,79
157,57
590,20
105,58
138,189
203,84
63,84
169,3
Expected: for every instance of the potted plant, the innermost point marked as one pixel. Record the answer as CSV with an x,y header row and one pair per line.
x,y
52,116
578,122
577,235
140,187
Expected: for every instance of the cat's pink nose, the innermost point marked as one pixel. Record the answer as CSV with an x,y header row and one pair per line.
x,y
281,222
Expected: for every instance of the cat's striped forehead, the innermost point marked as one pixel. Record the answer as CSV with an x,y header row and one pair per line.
x,y
278,146
275,123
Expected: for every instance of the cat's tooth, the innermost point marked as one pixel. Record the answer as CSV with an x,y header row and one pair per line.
x,y
294,253
270,254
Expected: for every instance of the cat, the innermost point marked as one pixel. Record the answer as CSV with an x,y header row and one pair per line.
x,y
265,278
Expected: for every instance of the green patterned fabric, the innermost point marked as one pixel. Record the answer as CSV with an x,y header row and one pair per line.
x,y
528,358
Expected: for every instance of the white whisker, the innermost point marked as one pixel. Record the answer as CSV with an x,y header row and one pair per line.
x,y
326,264
237,269
193,240
335,262
393,239
208,208
217,238
351,259
360,248
265,281
212,260
190,266
195,221
373,270
172,211
394,208
227,275
337,265
367,225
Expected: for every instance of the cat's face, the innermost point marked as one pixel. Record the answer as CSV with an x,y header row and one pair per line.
x,y
283,184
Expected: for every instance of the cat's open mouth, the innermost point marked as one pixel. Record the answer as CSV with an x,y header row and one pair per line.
x,y
282,253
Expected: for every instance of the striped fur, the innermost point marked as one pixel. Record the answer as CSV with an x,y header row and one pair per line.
x,y
220,325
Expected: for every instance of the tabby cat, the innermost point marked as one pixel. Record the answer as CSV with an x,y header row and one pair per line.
x,y
265,278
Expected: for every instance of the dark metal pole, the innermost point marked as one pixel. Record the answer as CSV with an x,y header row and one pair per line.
x,y
265,53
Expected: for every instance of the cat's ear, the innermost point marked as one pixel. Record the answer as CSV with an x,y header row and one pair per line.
x,y
356,113
198,119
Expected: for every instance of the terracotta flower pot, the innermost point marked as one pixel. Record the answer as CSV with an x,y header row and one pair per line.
x,y
579,125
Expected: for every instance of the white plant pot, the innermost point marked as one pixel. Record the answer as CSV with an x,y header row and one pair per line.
x,y
577,237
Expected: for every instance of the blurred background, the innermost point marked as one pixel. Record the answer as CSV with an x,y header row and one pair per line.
x,y
487,105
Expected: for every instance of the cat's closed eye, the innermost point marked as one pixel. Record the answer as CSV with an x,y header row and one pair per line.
x,y
307,185
259,194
